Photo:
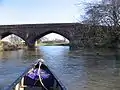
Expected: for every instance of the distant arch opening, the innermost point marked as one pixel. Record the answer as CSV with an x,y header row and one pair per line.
x,y
11,42
13,39
52,39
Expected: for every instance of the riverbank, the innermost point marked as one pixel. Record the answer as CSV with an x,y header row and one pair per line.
x,y
53,44
6,46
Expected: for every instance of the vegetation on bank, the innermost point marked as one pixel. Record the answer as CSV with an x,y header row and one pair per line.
x,y
6,46
105,13
52,44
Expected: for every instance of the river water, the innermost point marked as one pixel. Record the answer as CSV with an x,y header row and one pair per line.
x,y
78,70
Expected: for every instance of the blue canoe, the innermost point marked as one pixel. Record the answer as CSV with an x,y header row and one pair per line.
x,y
37,77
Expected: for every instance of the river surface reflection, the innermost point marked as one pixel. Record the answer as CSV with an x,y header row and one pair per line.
x,y
78,70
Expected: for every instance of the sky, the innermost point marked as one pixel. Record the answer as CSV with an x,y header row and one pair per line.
x,y
40,11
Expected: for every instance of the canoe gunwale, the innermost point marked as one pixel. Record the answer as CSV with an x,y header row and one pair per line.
x,y
10,87
56,78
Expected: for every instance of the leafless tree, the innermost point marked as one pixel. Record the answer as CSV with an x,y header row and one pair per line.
x,y
107,13
15,39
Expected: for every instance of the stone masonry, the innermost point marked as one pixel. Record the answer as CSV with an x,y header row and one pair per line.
x,y
79,35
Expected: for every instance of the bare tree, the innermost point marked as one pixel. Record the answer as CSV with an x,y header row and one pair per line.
x,y
107,13
43,39
15,39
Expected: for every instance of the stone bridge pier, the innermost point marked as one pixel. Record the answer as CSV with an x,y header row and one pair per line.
x,y
79,35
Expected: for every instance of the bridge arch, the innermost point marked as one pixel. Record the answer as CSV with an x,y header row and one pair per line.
x,y
6,34
49,32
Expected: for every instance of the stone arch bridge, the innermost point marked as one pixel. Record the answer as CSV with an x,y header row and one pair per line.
x,y
79,35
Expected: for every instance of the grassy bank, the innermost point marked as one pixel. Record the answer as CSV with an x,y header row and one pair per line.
x,y
52,44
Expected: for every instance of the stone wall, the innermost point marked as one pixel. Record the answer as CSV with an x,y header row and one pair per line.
x,y
79,35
